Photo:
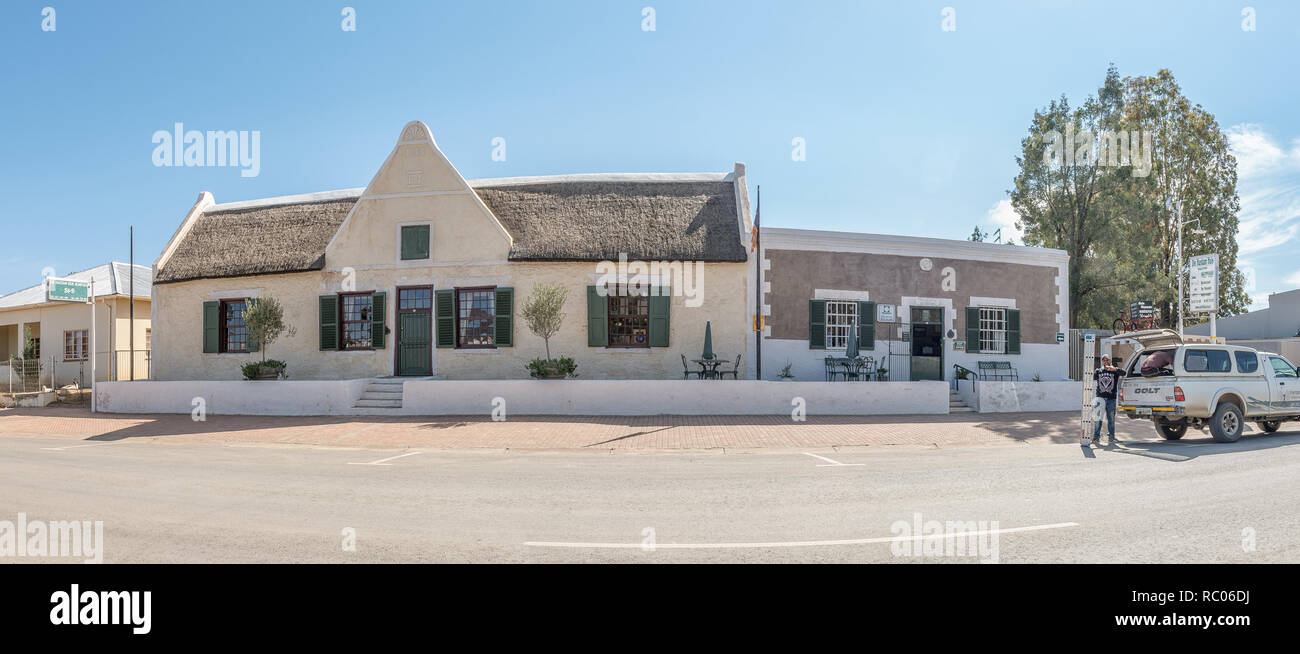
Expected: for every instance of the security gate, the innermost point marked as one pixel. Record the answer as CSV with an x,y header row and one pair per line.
x,y
415,331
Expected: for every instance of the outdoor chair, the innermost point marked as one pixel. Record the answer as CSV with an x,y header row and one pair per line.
x,y
853,370
832,369
734,372
869,369
686,370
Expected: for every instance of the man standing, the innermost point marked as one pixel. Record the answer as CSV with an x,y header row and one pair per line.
x,y
1106,382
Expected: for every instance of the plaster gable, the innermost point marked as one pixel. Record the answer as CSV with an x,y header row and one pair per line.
x,y
417,184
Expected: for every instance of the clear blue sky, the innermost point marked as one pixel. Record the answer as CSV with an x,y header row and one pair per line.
x,y
909,129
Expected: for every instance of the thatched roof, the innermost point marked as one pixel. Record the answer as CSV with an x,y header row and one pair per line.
x,y
566,218
691,220
256,240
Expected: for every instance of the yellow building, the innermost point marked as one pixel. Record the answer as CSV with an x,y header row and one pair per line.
x,y
424,273
58,333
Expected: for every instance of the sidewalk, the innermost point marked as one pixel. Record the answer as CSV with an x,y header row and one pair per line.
x,y
640,433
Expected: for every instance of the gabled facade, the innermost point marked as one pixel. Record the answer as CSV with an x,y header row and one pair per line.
x,y
423,273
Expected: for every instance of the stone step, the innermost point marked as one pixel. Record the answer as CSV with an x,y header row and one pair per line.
x,y
960,409
379,404
382,395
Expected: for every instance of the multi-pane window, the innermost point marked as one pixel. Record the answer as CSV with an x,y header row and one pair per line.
x,y
234,331
476,317
993,330
840,315
356,313
414,299
76,345
629,317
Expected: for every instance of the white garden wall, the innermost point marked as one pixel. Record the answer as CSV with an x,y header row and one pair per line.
x,y
272,398
532,397
673,397
1015,397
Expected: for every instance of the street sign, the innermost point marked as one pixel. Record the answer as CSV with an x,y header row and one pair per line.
x,y
66,290
885,313
1060,337
1203,283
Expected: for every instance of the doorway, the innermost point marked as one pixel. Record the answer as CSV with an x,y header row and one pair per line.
x,y
414,331
927,343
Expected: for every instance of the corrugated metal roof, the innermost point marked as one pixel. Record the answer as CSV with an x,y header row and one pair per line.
x,y
110,279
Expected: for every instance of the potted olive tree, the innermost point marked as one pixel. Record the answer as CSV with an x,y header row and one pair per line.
x,y
544,313
265,320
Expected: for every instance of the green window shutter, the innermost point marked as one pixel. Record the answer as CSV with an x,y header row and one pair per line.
x,y
1013,331
211,332
867,325
329,322
253,344
973,329
444,311
597,318
415,242
505,317
660,304
816,324
378,320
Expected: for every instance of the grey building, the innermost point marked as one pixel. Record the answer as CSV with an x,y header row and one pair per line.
x,y
1274,329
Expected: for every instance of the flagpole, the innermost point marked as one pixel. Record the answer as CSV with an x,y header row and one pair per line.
x,y
758,290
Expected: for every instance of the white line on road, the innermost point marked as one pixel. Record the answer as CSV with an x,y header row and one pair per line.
x,y
831,463
382,462
800,543
73,447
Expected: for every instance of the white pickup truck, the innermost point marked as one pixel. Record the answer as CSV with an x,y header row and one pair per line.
x,y
1208,385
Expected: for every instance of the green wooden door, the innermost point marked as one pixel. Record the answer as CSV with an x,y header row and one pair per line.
x,y
415,344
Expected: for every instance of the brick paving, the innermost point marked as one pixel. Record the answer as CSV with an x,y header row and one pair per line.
x,y
614,433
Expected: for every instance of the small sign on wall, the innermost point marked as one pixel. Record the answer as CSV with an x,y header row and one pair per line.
x,y
1060,337
885,313
958,346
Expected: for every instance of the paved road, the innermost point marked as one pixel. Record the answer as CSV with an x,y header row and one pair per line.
x,y
175,502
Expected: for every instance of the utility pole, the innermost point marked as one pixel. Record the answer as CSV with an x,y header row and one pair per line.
x,y
131,307
1178,215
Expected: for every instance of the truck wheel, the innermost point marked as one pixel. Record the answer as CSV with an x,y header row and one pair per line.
x,y
1270,426
1172,430
1226,425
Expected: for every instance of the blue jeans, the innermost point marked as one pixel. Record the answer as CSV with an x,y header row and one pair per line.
x,y
1110,419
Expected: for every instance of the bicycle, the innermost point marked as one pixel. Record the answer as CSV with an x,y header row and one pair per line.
x,y
1125,324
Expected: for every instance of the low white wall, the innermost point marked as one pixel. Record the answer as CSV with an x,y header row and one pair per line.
x,y
272,397
672,397
1014,397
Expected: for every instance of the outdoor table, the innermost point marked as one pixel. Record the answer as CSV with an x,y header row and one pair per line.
x,y
850,366
709,367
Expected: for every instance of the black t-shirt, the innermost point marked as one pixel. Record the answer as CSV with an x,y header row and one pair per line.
x,y
1107,382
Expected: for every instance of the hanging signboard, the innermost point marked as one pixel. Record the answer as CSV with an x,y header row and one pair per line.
x,y
1203,283
66,290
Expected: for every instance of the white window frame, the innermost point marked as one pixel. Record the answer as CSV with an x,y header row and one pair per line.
x,y
80,344
840,329
993,330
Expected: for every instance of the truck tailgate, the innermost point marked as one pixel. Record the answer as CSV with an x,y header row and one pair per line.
x,y
1147,391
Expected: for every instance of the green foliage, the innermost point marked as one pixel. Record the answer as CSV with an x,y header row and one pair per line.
x,y
561,367
544,312
785,371
254,369
979,235
1120,223
265,320
29,349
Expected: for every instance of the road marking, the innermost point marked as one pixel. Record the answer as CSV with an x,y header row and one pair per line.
x,y
798,543
73,447
382,462
831,463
